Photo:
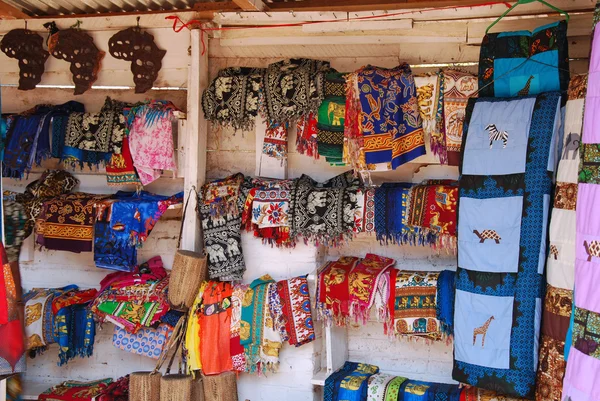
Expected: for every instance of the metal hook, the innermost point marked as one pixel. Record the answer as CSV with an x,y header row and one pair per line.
x,y
25,24
267,14
334,16
293,14
138,21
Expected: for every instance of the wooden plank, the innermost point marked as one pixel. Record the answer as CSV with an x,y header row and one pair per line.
x,y
425,13
251,5
367,5
218,6
579,25
9,11
195,146
353,26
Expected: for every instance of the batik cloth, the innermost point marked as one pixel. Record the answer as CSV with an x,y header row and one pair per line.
x,y
443,392
306,136
134,215
148,342
432,209
384,387
51,184
21,139
390,210
428,94
415,298
14,229
232,98
479,394
72,390
353,139
275,141
458,88
12,349
522,63
94,133
151,139
74,325
270,208
215,323
39,318
350,382
324,213
446,292
297,314
221,209
551,369
66,223
107,252
389,118
362,282
120,169
257,334
237,351
330,119
506,179
334,295
193,332
293,88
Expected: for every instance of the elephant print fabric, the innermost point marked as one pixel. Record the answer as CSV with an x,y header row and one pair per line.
x,y
415,302
221,227
504,203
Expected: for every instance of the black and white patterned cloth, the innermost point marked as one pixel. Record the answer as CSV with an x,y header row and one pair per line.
x,y
233,96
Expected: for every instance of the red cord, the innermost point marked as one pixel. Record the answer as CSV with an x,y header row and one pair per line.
x,y
188,24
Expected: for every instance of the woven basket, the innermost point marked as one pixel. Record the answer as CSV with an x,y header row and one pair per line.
x,y
176,387
221,387
144,386
189,271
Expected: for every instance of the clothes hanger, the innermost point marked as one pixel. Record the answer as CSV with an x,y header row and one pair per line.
x,y
558,10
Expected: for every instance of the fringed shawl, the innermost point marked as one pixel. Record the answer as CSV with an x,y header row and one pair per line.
x,y
275,143
293,88
232,98
324,213
349,383
333,295
390,210
257,334
446,292
14,229
21,140
74,324
330,120
237,351
306,136
428,97
296,310
362,282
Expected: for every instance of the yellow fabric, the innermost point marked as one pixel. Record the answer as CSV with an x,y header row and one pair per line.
x,y
192,335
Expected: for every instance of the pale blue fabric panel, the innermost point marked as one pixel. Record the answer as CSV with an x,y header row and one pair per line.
x,y
536,333
513,117
502,215
472,312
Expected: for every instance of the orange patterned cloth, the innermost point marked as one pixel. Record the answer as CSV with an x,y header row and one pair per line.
x,y
215,320
363,284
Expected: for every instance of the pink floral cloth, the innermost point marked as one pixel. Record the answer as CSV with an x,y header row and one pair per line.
x,y
151,141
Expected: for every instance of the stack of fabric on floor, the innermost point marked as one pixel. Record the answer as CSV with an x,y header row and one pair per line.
x,y
97,390
242,327
415,305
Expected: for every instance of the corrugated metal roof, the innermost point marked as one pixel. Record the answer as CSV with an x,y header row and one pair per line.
x,y
70,7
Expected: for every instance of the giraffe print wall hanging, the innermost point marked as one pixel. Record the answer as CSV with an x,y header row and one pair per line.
x,y
27,47
138,47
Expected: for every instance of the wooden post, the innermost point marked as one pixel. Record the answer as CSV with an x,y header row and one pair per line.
x,y
195,141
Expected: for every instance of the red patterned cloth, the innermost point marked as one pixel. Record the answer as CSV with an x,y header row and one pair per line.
x,y
120,170
295,300
362,282
74,297
432,208
72,390
334,294
306,139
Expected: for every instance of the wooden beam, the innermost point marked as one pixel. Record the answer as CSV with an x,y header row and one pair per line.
x,y
8,11
200,15
195,141
251,5
367,5
220,6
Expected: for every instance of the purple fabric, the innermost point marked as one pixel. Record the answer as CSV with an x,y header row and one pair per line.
x,y
582,380
591,121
